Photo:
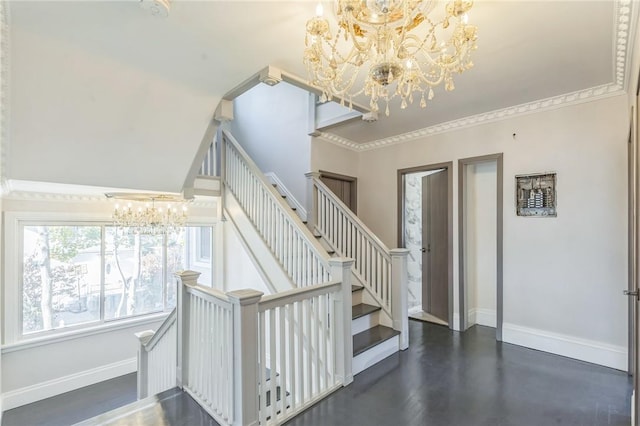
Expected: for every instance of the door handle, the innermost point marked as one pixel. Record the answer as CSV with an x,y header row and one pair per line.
x,y
426,249
423,249
634,293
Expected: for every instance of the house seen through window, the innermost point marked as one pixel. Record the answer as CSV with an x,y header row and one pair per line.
x,y
75,275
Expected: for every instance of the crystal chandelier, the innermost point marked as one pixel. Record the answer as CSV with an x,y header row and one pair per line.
x,y
155,214
399,47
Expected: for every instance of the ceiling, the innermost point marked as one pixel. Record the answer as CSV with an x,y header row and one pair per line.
x,y
104,86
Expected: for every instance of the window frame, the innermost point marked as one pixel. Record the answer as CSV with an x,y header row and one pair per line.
x,y
14,224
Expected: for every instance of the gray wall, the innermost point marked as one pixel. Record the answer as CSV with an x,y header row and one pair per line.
x,y
271,124
562,276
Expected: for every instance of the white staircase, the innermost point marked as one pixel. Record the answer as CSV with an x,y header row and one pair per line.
x,y
254,359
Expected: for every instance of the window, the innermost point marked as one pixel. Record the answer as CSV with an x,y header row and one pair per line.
x,y
75,275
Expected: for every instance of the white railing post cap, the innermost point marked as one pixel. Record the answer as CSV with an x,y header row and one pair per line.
x,y
312,174
145,336
244,297
399,252
341,261
186,275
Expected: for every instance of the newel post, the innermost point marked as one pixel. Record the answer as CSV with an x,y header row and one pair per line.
x,y
223,166
185,280
400,294
341,271
245,356
312,200
143,363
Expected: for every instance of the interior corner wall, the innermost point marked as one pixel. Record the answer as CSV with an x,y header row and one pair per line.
x,y
271,124
239,270
562,276
330,157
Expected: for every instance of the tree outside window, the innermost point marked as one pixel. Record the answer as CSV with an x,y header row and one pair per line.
x,y
68,281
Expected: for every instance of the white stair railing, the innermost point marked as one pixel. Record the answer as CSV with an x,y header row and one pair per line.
x,y
205,347
383,272
246,358
300,255
305,349
210,354
157,358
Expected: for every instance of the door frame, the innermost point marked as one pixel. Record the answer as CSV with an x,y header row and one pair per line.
x,y
632,194
354,186
448,167
462,163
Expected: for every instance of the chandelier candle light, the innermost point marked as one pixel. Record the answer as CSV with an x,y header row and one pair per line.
x,y
151,219
397,46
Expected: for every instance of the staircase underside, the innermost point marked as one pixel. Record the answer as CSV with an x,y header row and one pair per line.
x,y
169,408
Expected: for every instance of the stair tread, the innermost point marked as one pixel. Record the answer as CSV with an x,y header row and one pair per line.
x,y
355,288
372,337
363,309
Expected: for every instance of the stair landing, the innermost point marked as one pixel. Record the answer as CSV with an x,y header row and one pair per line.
x,y
172,407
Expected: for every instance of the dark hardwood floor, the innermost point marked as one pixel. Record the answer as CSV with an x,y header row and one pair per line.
x,y
75,406
443,379
452,379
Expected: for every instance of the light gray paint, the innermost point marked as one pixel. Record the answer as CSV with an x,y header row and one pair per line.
x,y
271,124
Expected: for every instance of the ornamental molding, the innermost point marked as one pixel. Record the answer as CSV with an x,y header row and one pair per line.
x,y
82,198
624,26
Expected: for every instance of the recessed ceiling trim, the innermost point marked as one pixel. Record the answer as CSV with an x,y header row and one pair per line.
x,y
624,27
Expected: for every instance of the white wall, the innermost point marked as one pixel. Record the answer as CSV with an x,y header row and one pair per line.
x,y
239,270
480,249
271,123
333,158
570,301
34,372
40,372
105,118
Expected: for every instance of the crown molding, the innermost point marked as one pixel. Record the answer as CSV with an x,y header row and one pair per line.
x,y
20,190
582,96
624,26
89,199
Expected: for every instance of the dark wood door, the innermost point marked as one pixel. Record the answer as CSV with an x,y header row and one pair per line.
x,y
343,186
435,282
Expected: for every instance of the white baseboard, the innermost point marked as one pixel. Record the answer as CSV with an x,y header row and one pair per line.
x,y
33,393
273,178
573,347
456,321
480,316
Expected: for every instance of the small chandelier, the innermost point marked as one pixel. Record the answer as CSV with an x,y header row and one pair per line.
x,y
150,214
397,46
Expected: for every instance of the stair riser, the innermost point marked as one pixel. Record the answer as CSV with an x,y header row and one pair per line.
x,y
375,354
364,323
356,297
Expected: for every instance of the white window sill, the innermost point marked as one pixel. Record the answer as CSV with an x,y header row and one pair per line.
x,y
61,336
